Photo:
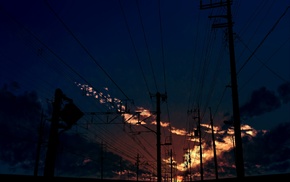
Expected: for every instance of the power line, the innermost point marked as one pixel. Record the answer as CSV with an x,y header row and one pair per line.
x,y
264,63
147,48
263,40
85,49
162,45
134,46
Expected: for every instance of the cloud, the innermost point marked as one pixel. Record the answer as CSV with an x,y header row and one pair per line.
x,y
19,121
270,150
20,116
264,153
284,92
177,131
262,101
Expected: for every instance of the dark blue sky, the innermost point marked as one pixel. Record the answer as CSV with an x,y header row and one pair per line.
x,y
130,50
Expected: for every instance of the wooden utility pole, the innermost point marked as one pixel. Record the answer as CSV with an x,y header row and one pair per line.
x,y
235,99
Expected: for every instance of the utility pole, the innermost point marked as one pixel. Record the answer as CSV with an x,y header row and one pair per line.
x,y
235,99
121,169
158,133
137,166
213,144
189,161
53,135
102,160
39,143
200,146
69,114
171,165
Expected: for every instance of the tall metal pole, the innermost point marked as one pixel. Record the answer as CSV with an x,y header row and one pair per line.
x,y
158,138
213,144
53,135
235,98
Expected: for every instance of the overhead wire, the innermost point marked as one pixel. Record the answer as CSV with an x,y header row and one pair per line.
x,y
56,55
38,48
67,28
162,46
105,135
147,48
84,48
109,138
50,50
134,46
207,52
263,40
34,42
212,85
133,137
188,122
264,64
135,49
164,76
211,88
189,117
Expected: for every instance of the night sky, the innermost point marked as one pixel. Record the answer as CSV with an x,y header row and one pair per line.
x,y
113,57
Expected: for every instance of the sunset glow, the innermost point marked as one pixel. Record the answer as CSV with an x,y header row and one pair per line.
x,y
141,116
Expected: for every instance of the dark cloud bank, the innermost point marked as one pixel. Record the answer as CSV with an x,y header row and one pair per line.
x,y
263,100
20,118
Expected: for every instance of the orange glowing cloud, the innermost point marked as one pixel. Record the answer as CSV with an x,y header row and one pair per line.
x,y
162,124
225,145
248,130
178,131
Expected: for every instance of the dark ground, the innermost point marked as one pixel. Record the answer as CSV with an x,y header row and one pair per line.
x,y
7,177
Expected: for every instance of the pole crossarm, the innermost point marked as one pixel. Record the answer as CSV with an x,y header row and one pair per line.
x,y
211,4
